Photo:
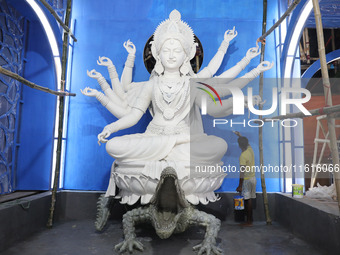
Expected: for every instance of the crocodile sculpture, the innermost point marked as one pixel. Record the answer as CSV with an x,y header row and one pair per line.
x,y
169,213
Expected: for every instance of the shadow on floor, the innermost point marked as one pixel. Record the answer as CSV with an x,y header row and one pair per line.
x,y
80,237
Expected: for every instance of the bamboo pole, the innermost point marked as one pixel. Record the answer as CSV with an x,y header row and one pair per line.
x,y
307,45
304,44
336,115
277,23
333,39
33,85
318,111
263,180
315,153
55,15
333,46
324,143
328,95
61,118
302,53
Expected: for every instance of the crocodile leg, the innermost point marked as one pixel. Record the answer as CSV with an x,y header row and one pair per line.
x,y
129,220
212,225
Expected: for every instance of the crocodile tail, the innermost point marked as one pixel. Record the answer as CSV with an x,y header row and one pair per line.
x,y
103,212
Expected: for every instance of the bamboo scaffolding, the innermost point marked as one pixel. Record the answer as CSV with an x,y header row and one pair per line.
x,y
33,85
328,94
55,15
324,142
289,10
61,118
263,180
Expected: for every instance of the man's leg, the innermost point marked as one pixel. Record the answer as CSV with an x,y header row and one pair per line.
x,y
247,192
249,211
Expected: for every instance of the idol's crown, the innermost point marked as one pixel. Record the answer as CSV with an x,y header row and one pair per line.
x,y
174,28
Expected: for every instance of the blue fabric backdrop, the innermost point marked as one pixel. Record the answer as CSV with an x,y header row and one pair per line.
x,y
101,28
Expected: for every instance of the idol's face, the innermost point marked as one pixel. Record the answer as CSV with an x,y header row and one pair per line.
x,y
172,55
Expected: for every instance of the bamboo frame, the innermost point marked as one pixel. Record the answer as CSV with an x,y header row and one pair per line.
x,y
61,119
328,95
55,15
316,145
33,85
262,39
324,142
327,91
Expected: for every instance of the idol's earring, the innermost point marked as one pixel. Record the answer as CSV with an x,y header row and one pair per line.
x,y
159,69
185,68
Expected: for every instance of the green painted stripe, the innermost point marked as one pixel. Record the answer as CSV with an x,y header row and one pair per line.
x,y
208,94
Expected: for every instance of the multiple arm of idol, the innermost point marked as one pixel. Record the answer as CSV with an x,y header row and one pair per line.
x,y
120,96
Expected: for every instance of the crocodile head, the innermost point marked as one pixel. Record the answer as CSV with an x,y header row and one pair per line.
x,y
168,203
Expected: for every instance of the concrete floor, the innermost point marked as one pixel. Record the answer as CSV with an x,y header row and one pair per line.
x,y
79,237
